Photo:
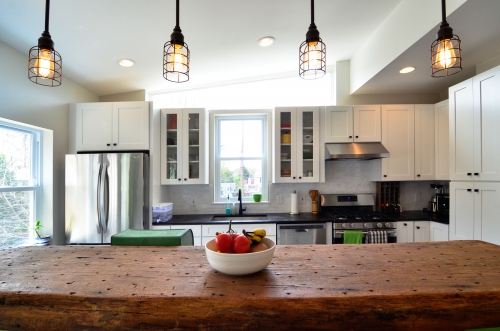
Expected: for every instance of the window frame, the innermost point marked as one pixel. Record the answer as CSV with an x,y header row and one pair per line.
x,y
36,171
215,117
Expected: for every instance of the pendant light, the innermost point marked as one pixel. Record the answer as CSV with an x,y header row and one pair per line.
x,y
176,55
45,64
446,55
312,53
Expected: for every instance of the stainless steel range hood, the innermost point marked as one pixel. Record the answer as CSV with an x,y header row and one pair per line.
x,y
350,151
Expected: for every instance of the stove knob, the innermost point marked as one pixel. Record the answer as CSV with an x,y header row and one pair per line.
x,y
387,225
379,225
365,225
344,225
351,225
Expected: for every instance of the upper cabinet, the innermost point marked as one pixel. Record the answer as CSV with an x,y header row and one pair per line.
x,y
442,141
398,136
474,123
184,158
296,145
352,124
107,126
424,142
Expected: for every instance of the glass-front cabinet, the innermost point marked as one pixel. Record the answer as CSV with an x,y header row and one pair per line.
x,y
183,147
296,145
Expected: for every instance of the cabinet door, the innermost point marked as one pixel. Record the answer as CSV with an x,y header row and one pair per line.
x,y
193,145
421,231
398,136
171,151
486,211
94,125
438,231
424,142
461,211
461,131
307,141
367,124
486,87
339,124
285,128
442,143
404,232
131,126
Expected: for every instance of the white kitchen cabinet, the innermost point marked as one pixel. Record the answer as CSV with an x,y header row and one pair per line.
x,y
474,123
398,136
438,231
184,158
109,126
412,231
353,124
424,142
296,145
209,230
474,210
442,141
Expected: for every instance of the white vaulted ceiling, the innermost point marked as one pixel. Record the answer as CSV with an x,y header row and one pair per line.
x,y
93,35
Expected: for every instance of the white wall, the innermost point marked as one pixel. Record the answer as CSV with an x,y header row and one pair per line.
x,y
46,107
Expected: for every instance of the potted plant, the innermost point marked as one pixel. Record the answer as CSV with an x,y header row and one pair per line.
x,y
39,240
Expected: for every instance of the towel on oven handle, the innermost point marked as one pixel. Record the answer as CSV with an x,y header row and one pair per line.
x,y
376,237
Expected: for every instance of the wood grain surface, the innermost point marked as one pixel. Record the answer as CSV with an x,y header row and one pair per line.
x,y
413,286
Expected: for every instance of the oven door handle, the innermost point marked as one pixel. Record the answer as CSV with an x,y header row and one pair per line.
x,y
364,232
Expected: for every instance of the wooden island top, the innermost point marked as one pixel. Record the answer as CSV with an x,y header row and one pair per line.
x,y
411,286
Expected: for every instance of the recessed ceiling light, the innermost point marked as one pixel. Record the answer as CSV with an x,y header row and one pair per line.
x,y
266,41
126,63
406,70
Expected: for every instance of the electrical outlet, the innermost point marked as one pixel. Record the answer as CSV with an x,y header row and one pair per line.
x,y
302,199
192,202
417,196
280,199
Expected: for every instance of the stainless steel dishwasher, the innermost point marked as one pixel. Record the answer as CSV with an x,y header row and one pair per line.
x,y
301,234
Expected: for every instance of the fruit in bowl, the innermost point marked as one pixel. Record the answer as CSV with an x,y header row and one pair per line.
x,y
237,254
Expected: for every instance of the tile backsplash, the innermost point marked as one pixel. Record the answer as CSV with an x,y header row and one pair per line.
x,y
340,177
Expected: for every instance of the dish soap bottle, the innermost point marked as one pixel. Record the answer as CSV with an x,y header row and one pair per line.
x,y
233,209
228,206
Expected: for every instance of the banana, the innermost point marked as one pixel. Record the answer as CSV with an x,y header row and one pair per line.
x,y
260,232
255,239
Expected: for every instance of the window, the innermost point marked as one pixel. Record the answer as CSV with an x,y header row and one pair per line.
x,y
240,156
19,183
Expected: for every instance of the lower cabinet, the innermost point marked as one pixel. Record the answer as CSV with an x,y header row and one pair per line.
x,y
209,230
412,231
194,227
438,231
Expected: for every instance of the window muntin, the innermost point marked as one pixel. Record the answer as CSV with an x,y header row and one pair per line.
x,y
240,156
19,169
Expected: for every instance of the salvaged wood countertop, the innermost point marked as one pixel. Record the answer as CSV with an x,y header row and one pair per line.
x,y
415,286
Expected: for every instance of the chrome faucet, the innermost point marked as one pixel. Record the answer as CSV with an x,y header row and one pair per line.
x,y
240,200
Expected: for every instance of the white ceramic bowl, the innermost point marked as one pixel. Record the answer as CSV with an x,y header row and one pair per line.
x,y
239,264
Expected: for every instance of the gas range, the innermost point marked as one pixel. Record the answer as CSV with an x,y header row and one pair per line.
x,y
354,212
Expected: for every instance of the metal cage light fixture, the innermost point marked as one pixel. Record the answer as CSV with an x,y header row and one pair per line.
x,y
312,53
176,55
446,55
45,64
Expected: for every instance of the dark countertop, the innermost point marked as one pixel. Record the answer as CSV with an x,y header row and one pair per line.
x,y
413,215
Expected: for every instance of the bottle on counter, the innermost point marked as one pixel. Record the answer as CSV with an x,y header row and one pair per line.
x,y
233,209
228,206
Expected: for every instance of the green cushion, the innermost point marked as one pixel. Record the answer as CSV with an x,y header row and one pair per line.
x,y
174,237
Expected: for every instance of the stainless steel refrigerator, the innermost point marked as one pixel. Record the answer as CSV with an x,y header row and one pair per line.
x,y
105,194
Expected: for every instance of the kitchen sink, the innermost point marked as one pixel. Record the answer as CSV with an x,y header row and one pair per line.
x,y
237,218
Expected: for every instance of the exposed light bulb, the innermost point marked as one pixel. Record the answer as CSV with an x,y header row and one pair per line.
x,y
445,55
177,61
313,56
44,65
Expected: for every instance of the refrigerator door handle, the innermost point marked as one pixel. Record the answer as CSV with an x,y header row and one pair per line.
x,y
99,183
106,200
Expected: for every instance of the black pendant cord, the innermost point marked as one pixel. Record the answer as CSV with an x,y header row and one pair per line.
x,y
47,10
177,13
312,11
443,10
